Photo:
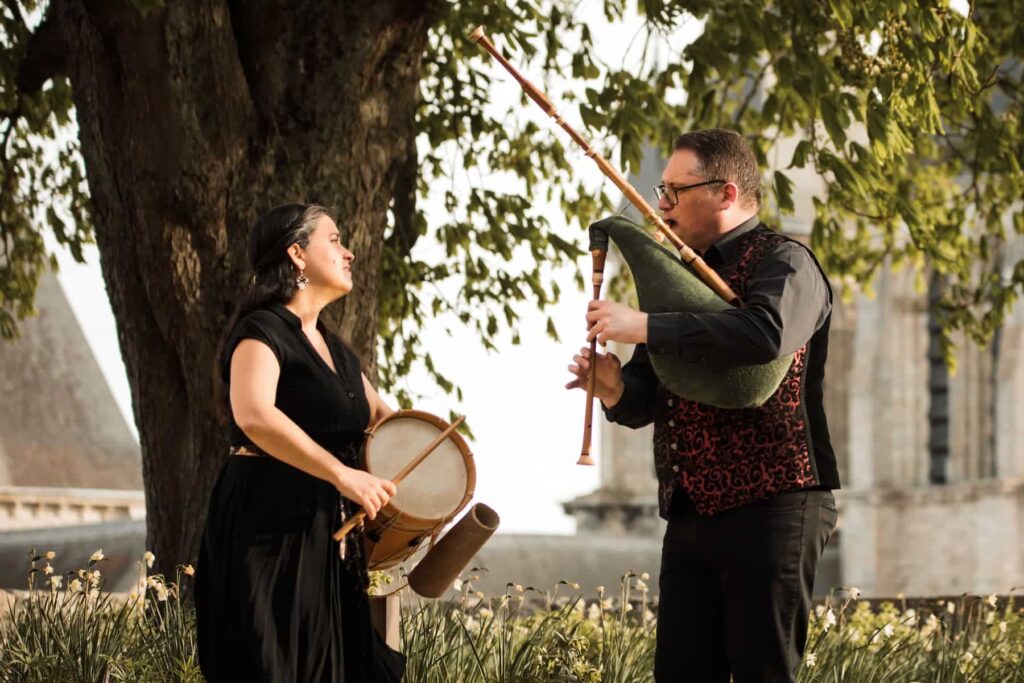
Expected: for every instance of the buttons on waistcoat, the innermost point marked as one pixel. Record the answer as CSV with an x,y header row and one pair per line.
x,y
675,468
674,446
671,423
351,395
670,403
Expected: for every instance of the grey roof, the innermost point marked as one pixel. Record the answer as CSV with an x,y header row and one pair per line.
x,y
123,542
59,423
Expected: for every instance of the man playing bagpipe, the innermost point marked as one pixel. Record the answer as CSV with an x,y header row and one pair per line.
x,y
746,491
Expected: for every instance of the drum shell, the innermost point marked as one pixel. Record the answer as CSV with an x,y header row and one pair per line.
x,y
396,533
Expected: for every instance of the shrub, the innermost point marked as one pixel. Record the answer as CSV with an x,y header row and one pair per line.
x,y
68,628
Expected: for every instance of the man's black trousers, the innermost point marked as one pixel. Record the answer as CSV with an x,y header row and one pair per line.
x,y
736,589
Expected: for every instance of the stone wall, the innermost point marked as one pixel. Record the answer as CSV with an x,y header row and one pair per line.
x,y
934,540
23,507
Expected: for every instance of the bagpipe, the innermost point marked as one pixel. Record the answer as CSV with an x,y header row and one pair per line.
x,y
665,282
663,285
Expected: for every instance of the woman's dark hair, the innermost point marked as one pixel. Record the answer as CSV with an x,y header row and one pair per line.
x,y
273,276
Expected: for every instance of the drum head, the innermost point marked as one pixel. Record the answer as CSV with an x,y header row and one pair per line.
x,y
441,484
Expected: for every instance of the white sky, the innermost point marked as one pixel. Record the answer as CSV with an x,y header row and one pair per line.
x,y
528,428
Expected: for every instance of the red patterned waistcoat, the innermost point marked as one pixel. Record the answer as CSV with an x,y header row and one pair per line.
x,y
727,458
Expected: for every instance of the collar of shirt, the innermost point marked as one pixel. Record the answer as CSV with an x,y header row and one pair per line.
x,y
294,321
721,252
287,315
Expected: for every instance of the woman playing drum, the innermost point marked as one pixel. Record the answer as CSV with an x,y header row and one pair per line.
x,y
275,599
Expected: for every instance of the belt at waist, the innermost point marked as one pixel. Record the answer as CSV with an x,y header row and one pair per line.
x,y
247,451
681,505
251,451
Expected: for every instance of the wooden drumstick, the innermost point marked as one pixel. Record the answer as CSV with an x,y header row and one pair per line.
x,y
357,518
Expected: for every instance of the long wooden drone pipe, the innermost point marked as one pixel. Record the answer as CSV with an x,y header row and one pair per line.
x,y
688,255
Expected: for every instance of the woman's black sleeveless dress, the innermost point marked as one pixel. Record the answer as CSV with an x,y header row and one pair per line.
x,y
274,601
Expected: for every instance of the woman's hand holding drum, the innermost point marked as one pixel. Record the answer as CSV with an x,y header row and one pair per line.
x,y
368,491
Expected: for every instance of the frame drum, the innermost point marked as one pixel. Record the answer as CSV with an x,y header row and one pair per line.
x,y
428,498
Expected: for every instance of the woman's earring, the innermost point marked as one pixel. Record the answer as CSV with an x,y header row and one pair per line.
x,y
301,281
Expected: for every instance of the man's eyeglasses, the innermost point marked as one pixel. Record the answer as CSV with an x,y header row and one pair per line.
x,y
670,193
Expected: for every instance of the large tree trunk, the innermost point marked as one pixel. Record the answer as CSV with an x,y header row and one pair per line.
x,y
194,119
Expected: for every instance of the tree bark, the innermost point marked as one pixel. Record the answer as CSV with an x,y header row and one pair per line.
x,y
195,119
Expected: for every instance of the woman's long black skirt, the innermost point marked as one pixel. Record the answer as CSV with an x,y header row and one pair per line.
x,y
274,600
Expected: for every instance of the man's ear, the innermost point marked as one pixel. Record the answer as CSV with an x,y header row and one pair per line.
x,y
298,256
730,195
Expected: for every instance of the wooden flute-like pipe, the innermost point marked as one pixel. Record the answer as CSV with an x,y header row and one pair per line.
x,y
357,519
598,257
688,255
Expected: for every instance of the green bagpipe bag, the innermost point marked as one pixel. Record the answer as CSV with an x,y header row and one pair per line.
x,y
664,284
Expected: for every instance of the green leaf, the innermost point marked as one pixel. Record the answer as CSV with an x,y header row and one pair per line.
x,y
783,191
799,160
830,116
591,119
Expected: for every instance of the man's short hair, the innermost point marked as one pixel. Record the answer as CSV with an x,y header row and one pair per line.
x,y
725,155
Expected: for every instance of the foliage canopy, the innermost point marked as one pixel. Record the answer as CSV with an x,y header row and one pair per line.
x,y
910,111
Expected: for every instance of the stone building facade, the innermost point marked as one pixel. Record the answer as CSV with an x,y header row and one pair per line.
x,y
934,496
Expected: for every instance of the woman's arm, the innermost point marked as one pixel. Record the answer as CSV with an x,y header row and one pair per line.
x,y
254,375
378,408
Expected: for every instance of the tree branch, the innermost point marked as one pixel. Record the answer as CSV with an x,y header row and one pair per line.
x,y
754,89
6,163
864,214
45,57
15,10
9,179
406,172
